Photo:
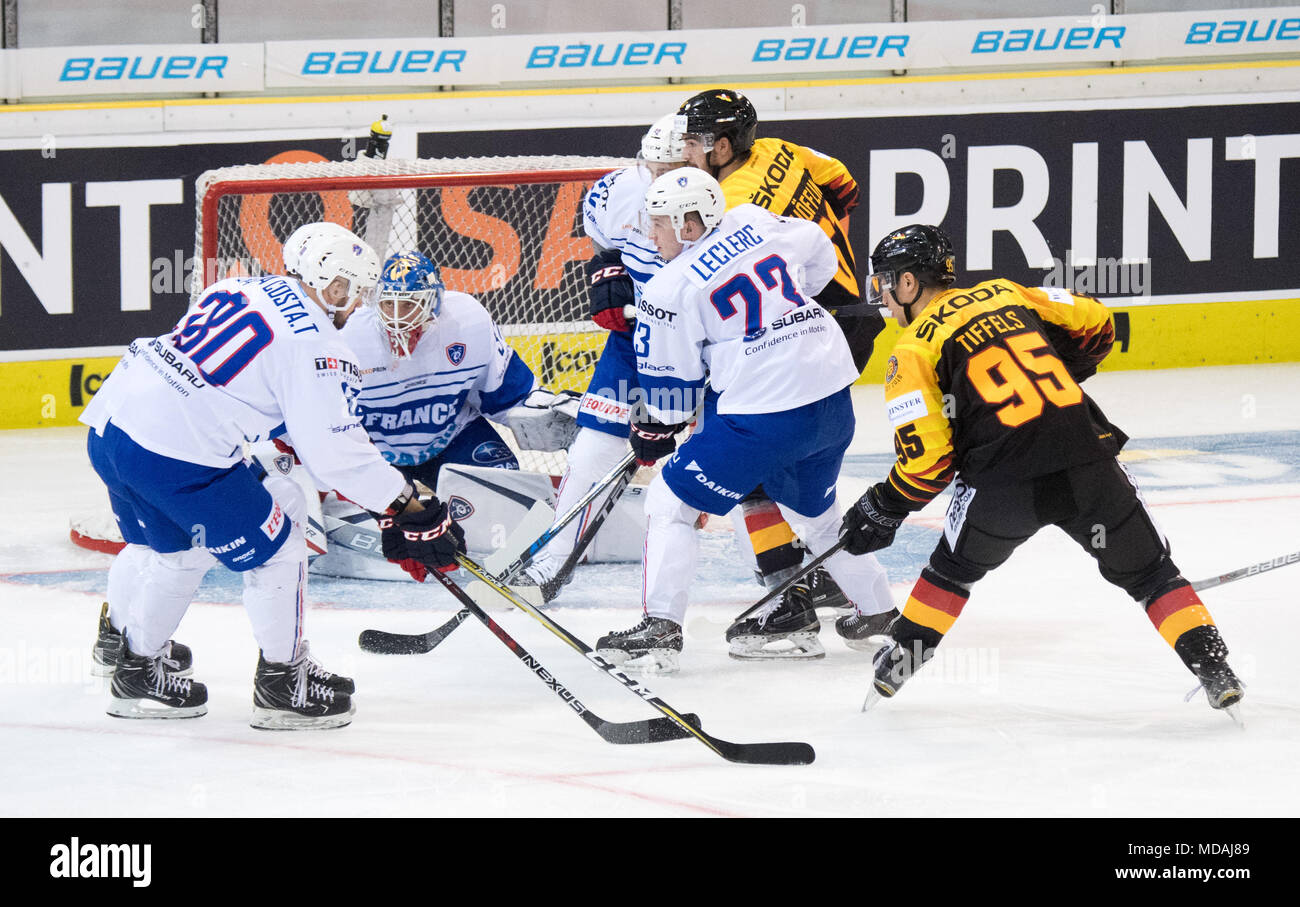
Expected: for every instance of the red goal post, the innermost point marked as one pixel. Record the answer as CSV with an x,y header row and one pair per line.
x,y
506,230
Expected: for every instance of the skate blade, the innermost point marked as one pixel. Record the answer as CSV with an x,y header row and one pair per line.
x,y
149,708
873,699
281,720
486,597
873,643
1234,712
655,661
803,644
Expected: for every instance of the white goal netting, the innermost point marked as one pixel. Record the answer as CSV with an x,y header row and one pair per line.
x,y
506,230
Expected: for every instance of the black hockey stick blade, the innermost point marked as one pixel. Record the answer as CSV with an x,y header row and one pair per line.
x,y
381,642
746,753
650,730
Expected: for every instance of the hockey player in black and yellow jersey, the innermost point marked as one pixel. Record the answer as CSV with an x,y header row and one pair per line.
x,y
983,392
718,128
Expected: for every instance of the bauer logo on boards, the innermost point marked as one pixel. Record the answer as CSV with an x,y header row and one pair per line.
x,y
75,860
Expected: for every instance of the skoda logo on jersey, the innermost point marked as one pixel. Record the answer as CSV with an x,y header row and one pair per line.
x,y
459,508
456,353
754,335
491,452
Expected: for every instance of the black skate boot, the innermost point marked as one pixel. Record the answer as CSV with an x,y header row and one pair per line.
x,y
316,671
108,647
287,697
789,619
144,687
533,578
1206,655
652,646
893,665
826,593
859,630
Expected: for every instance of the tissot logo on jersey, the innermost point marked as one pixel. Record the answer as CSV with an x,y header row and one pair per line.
x,y
655,311
332,364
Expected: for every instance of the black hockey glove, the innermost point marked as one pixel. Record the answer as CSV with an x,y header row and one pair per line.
x,y
422,540
609,289
652,441
870,525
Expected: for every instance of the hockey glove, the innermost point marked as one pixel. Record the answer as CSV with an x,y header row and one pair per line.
x,y
609,289
545,421
422,540
870,524
652,441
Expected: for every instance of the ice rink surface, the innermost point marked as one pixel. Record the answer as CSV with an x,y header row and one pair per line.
x,y
1052,696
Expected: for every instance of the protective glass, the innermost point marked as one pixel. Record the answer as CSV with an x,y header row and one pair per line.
x,y
877,284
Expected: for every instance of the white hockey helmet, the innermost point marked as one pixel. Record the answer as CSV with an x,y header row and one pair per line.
x,y
661,145
679,192
327,256
297,241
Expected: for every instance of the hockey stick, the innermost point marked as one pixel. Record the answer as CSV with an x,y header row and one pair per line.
x,y
624,465
804,571
1242,573
649,730
381,642
748,753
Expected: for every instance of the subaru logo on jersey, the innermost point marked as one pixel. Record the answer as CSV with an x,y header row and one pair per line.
x,y
459,508
456,353
491,452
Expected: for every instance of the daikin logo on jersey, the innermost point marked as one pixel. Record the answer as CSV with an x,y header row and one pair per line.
x,y
75,860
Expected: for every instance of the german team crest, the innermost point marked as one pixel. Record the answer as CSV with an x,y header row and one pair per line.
x,y
456,353
891,369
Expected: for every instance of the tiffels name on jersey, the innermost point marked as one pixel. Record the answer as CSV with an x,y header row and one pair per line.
x,y
342,366
949,307
805,201
711,260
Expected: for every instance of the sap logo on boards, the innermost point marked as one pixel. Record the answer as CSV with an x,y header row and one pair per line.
x,y
143,68
378,62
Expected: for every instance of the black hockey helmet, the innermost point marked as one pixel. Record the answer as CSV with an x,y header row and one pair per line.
x,y
719,112
922,249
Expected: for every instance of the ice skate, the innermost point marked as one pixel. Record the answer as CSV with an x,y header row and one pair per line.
x,y
786,628
893,665
144,687
826,593
108,647
541,575
291,696
865,632
652,646
1222,688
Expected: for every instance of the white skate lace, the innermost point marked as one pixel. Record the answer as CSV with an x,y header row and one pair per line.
x,y
304,670
165,682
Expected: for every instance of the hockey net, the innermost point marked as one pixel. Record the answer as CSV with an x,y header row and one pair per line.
x,y
506,230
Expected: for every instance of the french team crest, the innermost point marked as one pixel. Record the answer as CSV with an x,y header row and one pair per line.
x,y
459,508
456,353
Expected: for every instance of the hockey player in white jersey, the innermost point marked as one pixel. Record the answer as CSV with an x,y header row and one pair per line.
x,y
728,329
613,217
433,366
253,358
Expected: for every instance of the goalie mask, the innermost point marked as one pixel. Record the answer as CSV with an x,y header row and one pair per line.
x,y
679,192
408,299
327,256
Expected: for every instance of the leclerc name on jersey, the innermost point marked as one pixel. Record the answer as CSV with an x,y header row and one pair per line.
x,y
711,260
